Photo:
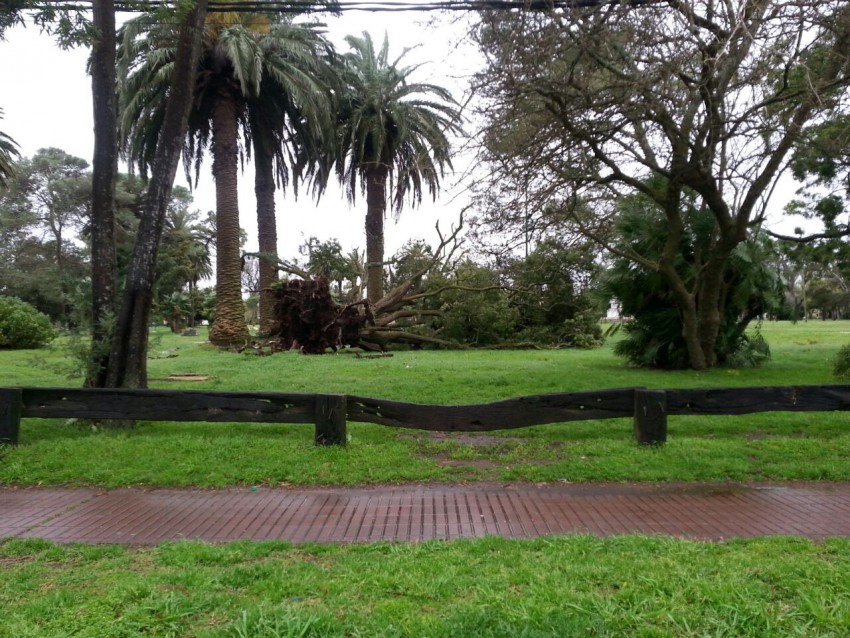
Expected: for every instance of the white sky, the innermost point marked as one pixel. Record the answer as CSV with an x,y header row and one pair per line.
x,y
46,96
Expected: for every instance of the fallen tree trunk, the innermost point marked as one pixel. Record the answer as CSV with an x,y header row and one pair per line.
x,y
307,318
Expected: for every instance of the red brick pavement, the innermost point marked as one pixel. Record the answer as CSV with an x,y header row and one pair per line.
x,y
421,512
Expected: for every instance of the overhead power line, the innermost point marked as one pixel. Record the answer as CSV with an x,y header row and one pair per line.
x,y
307,6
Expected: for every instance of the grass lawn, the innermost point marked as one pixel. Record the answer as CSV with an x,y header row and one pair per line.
x,y
771,446
556,587
553,587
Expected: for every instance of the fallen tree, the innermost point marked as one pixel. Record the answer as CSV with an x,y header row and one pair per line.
x,y
308,319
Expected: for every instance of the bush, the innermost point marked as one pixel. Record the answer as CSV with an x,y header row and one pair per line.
x,y
841,367
752,352
22,326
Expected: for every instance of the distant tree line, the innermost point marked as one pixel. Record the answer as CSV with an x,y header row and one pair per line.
x,y
45,241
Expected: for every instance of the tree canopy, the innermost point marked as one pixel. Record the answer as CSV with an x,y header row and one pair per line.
x,y
708,97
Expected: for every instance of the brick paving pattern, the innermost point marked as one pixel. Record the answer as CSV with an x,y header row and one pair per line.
x,y
423,512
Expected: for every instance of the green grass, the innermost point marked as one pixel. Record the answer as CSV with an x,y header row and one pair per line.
x,y
573,586
551,587
775,446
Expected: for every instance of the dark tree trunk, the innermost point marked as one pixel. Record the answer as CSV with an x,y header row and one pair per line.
x,y
229,327
264,189
376,204
701,308
710,296
685,299
57,251
104,271
128,359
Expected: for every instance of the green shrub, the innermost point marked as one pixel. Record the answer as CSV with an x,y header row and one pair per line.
x,y
22,326
841,367
752,351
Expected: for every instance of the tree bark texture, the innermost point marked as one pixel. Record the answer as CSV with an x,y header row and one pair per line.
x,y
128,359
264,190
104,270
229,326
376,203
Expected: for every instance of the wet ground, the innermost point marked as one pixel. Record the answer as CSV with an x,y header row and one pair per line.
x,y
422,512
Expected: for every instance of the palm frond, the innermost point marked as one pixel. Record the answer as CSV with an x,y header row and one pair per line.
x,y
266,64
8,153
386,120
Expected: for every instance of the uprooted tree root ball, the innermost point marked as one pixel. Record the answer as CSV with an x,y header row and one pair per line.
x,y
307,318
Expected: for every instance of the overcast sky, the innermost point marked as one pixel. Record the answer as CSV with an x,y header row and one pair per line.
x,y
46,96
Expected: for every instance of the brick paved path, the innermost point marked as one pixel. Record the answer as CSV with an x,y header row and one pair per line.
x,y
420,512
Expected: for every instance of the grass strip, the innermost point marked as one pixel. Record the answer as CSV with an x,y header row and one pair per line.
x,y
771,446
566,586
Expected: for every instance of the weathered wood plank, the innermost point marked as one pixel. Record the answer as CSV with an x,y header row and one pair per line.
x,y
502,415
168,405
10,415
269,407
650,424
331,419
804,398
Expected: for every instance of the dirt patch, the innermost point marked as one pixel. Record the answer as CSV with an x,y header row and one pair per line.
x,y
760,435
464,438
187,377
482,464
14,560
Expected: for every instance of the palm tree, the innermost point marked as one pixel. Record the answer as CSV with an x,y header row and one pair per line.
x,y
248,61
8,151
291,132
183,231
392,133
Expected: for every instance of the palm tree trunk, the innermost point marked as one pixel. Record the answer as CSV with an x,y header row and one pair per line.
x,y
229,327
376,203
128,359
264,189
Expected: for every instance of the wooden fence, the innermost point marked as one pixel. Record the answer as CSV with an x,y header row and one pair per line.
x,y
330,413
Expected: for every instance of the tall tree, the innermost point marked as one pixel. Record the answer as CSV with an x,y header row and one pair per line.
x,y
28,259
392,133
247,59
710,96
290,126
54,188
72,26
127,365
104,270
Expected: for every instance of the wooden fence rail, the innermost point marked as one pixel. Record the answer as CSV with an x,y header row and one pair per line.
x,y
330,413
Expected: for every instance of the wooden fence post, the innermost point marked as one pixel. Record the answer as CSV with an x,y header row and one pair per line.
x,y
650,416
331,415
10,415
